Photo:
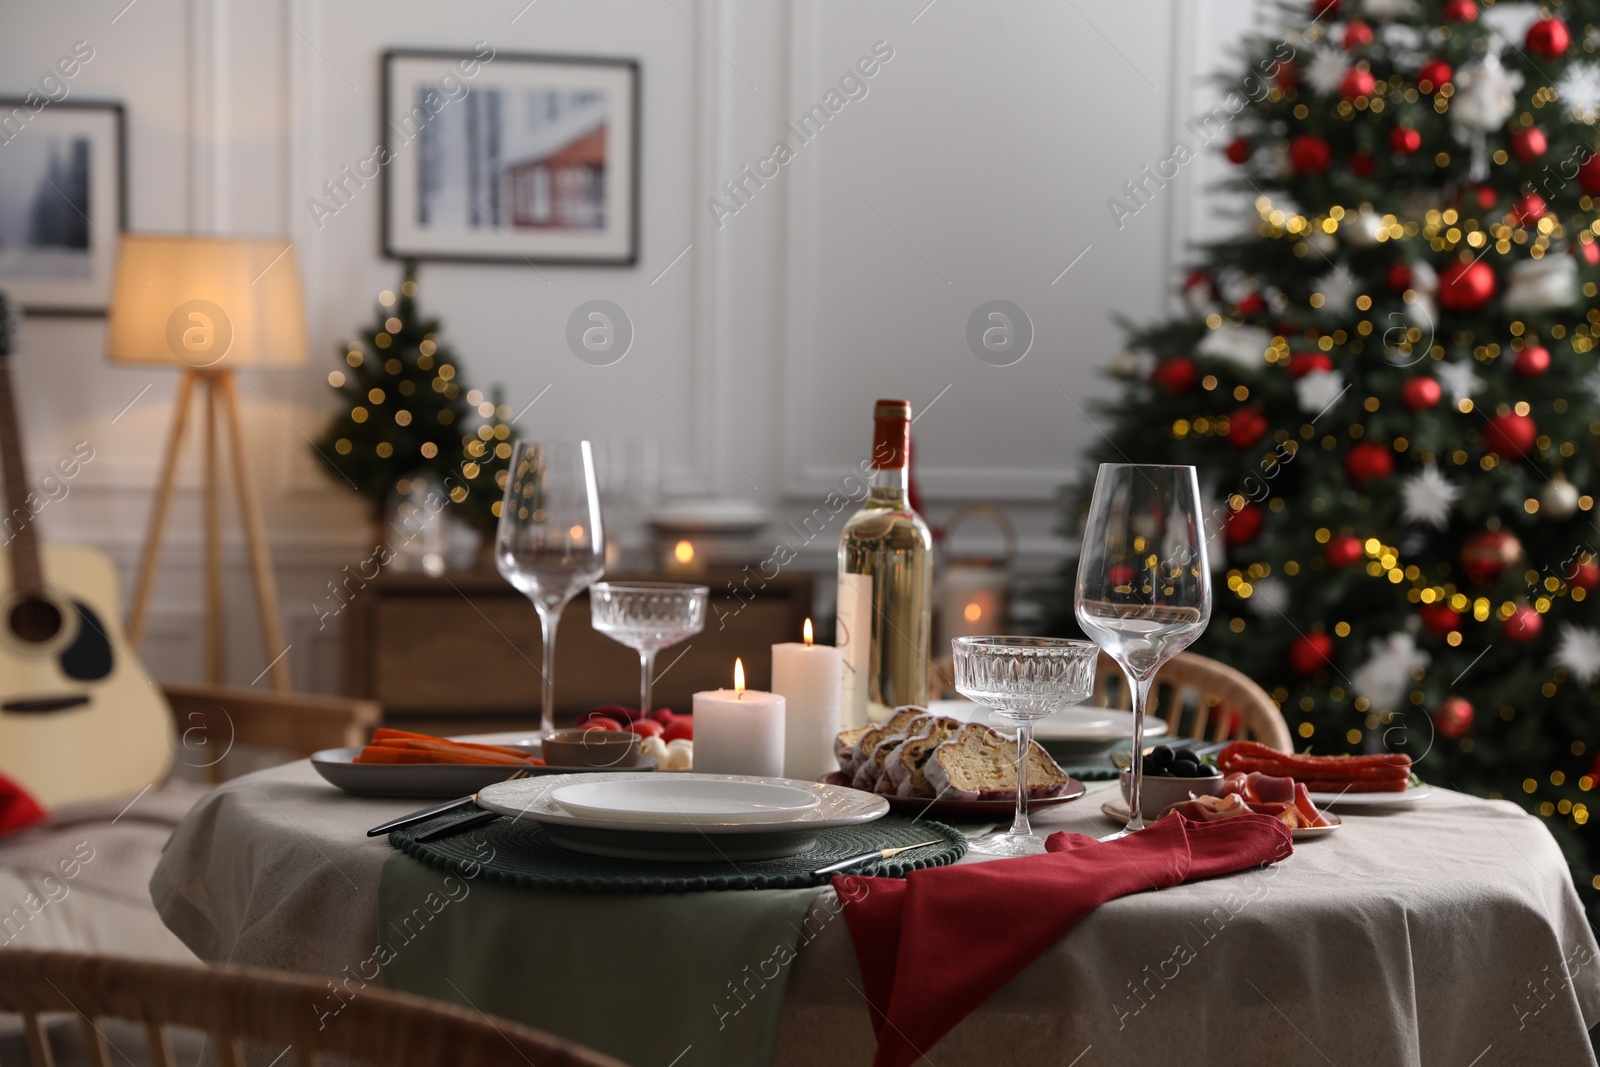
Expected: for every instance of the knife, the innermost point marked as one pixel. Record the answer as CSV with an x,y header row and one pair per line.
x,y
421,816
868,857
456,826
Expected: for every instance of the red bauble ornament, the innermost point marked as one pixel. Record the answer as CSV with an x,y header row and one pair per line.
x,y
1549,37
1303,363
1176,376
1586,574
1460,11
1511,434
1245,427
1288,76
1466,286
1533,361
1363,165
1310,653
1440,619
1420,394
1250,304
1344,550
1367,462
1452,720
1529,209
1589,175
1588,252
1310,154
1529,143
1238,151
1324,9
1481,198
1357,35
1487,555
1120,574
1523,626
1357,81
1434,75
1243,526
1403,140
1399,277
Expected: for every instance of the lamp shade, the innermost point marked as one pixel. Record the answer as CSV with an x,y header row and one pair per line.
x,y
209,303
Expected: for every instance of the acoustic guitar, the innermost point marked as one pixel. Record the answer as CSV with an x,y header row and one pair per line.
x,y
80,718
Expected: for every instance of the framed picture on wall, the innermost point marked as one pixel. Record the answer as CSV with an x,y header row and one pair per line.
x,y
519,159
62,203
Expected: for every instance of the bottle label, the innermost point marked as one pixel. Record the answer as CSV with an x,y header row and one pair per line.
x,y
854,641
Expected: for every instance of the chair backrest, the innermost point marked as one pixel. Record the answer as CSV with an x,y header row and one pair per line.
x,y
1201,698
236,1004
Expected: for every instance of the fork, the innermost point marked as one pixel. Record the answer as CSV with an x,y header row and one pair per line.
x,y
439,809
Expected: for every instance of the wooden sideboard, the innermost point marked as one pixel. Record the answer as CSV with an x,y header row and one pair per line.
x,y
462,651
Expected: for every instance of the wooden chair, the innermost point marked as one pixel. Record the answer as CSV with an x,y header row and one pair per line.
x,y
1200,698
296,723
238,1004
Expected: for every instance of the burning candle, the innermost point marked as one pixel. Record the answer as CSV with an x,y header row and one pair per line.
x,y
739,730
807,677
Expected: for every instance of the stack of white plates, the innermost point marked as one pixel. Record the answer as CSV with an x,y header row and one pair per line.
x,y
682,816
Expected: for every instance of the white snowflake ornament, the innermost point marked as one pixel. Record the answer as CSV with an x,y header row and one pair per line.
x,y
1337,289
1549,283
1486,95
1269,598
1318,390
1386,674
1326,70
1426,497
1386,10
1245,346
1579,90
1578,652
1460,379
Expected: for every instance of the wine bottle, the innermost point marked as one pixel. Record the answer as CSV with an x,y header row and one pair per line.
x,y
885,584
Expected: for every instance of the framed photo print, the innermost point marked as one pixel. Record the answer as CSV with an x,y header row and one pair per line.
x,y
498,158
62,200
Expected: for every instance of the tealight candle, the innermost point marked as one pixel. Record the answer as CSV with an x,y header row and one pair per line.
x,y
807,677
738,730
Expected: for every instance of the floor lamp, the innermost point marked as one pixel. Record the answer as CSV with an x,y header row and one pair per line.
x,y
208,306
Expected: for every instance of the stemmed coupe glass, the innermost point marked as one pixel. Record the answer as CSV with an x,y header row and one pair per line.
x,y
1022,679
647,617
1144,583
550,544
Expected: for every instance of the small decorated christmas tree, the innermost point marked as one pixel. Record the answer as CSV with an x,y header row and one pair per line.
x,y
411,413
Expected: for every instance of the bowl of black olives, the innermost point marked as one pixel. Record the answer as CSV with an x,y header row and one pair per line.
x,y
1172,773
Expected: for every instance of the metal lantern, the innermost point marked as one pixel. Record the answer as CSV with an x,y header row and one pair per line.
x,y
973,593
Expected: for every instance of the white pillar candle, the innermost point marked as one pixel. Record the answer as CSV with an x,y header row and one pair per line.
x,y
738,730
807,677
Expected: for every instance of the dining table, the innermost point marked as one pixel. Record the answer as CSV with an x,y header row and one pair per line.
x,y
1447,931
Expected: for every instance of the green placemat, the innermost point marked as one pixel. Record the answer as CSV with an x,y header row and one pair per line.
x,y
522,853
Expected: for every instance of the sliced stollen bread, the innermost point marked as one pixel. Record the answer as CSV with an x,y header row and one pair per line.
x,y
867,743
869,771
844,747
903,773
980,763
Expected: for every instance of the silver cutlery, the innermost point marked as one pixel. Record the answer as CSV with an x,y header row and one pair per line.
x,y
427,813
869,857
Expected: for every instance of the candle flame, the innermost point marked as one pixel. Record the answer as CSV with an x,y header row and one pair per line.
x,y
683,552
808,633
738,675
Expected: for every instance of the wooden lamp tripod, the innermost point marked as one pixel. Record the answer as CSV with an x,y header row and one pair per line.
x,y
209,306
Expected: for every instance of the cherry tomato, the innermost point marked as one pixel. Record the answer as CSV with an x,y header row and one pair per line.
x,y
647,728
663,715
682,726
599,722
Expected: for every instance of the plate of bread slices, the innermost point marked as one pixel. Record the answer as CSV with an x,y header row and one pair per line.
x,y
940,765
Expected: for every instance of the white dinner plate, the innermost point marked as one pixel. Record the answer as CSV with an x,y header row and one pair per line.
x,y
1117,811
674,799
700,838
1079,724
1412,795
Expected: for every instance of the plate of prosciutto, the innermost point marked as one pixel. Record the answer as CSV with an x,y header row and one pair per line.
x,y
1374,781
1210,809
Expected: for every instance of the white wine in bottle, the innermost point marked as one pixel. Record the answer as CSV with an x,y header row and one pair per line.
x,y
885,583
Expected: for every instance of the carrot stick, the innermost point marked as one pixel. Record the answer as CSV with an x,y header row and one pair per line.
x,y
384,754
447,753
384,736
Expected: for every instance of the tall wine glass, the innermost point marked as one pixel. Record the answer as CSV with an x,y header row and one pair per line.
x,y
550,544
1144,583
647,617
1022,679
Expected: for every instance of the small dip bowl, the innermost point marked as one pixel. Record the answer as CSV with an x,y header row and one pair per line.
x,y
592,748
1162,791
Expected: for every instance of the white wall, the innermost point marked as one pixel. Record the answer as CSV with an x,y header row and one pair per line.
x,y
977,167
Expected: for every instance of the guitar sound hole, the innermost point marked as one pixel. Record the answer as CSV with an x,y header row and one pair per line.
x,y
35,620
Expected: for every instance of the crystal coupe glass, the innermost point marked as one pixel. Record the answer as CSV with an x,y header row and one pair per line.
x,y
647,617
1022,679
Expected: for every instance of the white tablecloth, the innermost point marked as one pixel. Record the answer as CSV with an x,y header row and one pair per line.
x,y
1444,934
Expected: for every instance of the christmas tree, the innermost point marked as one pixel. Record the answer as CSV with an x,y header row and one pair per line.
x,y
410,413
1388,384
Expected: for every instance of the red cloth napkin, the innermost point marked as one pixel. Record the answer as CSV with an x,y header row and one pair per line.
x,y
924,967
18,810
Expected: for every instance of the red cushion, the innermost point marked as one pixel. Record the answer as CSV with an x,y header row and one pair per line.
x,y
18,809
